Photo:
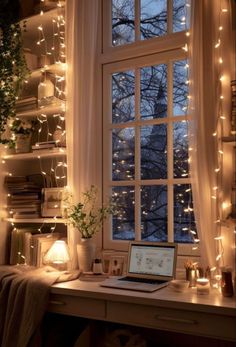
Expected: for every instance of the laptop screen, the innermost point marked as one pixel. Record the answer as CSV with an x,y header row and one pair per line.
x,y
152,259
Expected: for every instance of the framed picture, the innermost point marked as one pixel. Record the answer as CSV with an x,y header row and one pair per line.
x,y
114,260
52,200
116,266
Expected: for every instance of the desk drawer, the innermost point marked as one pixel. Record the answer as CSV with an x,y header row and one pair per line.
x,y
77,306
174,320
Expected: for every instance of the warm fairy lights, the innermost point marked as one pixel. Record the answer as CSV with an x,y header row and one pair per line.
x,y
218,134
52,53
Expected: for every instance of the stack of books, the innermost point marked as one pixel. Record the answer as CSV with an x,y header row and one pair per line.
x,y
24,197
28,246
44,145
26,104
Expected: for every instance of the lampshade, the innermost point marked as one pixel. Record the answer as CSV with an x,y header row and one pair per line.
x,y
58,253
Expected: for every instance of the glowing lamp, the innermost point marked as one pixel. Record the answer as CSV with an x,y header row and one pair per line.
x,y
58,255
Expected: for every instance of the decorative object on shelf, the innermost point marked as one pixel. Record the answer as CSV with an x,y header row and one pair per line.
x,y
87,217
226,282
203,286
22,130
12,64
58,255
45,92
52,200
59,136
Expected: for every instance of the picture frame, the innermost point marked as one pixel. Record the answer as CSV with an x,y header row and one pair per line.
x,y
116,265
109,256
52,202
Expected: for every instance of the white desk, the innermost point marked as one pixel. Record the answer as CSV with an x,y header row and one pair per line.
x,y
208,315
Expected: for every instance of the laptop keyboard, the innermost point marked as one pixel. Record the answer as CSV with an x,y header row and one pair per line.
x,y
141,280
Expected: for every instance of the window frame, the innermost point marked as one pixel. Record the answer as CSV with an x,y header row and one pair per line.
x,y
116,59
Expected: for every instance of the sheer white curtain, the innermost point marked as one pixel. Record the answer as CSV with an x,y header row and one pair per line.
x,y
83,126
204,106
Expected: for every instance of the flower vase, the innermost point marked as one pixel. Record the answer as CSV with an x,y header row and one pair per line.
x,y
23,143
86,254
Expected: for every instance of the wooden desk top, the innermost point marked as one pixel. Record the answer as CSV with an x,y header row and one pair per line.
x,y
165,297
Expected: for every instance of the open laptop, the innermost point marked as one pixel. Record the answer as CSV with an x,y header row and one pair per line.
x,y
151,266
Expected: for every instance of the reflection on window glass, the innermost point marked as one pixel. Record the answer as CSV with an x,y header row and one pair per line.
x,y
123,219
153,21
180,15
154,152
180,149
184,222
123,84
154,213
123,15
153,90
123,154
180,88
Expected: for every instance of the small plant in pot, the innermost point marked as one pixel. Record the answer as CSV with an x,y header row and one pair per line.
x,y
22,130
87,216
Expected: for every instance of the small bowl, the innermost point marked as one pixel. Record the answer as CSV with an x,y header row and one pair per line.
x,y
179,285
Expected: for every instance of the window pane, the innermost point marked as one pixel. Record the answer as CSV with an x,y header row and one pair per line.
x,y
184,223
180,16
123,84
153,84
153,21
123,31
154,213
123,220
180,148
180,88
123,154
154,152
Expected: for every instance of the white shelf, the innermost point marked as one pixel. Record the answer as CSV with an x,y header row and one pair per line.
x,y
44,153
56,69
38,220
48,110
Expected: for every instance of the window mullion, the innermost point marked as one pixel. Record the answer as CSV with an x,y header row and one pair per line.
x,y
137,157
170,197
137,20
169,16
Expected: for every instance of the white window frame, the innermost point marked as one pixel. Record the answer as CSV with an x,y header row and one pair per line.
x,y
165,49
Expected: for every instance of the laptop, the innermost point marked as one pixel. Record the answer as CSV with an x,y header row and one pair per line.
x,y
151,266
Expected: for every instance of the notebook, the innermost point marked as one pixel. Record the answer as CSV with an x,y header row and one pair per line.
x,y
151,266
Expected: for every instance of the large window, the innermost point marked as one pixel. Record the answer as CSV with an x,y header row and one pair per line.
x,y
146,122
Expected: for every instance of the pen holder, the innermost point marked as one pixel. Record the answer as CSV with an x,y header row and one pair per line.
x,y
191,277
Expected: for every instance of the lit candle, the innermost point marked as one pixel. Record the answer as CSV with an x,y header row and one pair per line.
x,y
203,286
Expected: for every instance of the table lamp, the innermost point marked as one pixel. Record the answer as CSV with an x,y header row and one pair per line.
x,y
58,255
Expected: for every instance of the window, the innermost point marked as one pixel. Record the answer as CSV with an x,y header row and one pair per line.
x,y
145,93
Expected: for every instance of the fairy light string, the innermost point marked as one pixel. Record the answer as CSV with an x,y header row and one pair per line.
x,y
217,135
53,59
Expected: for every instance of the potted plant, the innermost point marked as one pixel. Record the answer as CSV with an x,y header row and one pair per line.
x,y
22,130
87,216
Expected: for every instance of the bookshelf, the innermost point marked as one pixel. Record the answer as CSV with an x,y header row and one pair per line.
x,y
45,58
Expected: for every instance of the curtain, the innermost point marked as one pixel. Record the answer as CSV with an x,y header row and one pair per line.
x,y
205,108
82,123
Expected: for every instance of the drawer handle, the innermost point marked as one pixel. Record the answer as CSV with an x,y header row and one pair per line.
x,y
54,302
178,320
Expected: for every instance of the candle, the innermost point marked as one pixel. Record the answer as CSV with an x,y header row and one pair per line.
x,y
203,286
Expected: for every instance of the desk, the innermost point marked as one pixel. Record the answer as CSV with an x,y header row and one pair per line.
x,y
209,315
